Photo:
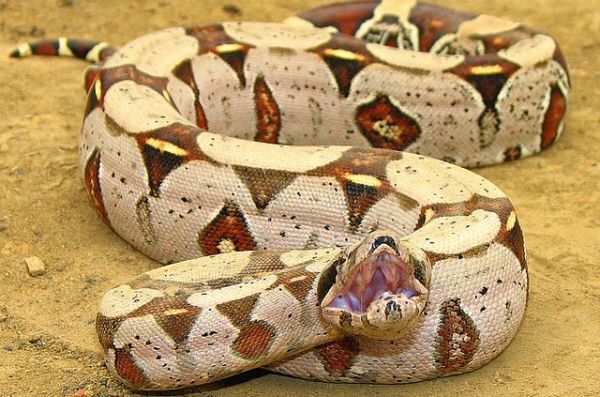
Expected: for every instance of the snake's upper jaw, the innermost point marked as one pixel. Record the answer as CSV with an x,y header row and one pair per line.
x,y
381,291
379,277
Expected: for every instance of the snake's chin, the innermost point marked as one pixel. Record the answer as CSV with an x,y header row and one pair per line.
x,y
379,277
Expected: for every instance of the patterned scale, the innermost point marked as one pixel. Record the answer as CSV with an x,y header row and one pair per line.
x,y
199,145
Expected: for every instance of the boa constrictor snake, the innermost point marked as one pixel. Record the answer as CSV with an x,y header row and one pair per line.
x,y
334,263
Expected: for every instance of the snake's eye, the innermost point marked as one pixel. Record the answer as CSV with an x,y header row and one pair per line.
x,y
340,262
419,272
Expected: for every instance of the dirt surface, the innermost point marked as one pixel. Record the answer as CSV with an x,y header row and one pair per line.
x,y
47,339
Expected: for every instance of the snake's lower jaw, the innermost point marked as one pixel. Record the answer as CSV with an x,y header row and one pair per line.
x,y
388,318
395,317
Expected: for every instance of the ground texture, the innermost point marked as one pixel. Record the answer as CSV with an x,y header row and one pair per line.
x,y
47,338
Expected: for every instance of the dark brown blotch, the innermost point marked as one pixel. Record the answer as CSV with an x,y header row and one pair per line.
x,y
262,262
296,282
268,116
210,37
111,76
92,183
487,74
457,338
236,60
263,184
553,117
337,357
184,72
129,371
229,228
173,314
386,126
238,311
346,19
254,339
166,149
433,22
512,153
45,47
106,327
358,161
346,57
512,239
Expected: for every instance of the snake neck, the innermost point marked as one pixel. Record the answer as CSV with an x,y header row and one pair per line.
x,y
219,323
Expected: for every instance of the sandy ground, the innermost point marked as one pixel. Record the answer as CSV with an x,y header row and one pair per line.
x,y
47,338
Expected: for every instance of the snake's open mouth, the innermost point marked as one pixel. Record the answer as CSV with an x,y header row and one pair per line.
x,y
378,277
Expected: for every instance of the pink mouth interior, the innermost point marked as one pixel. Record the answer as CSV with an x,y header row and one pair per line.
x,y
378,277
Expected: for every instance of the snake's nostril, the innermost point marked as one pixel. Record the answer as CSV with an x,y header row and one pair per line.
x,y
387,240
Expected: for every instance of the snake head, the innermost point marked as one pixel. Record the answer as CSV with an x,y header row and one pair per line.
x,y
381,287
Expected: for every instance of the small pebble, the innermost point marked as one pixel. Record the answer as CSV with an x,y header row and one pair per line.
x,y
80,392
35,266
231,9
36,341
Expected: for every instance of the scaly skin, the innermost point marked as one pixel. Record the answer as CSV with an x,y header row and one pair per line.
x,y
168,159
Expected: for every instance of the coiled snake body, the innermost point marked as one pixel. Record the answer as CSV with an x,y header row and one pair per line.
x,y
336,263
